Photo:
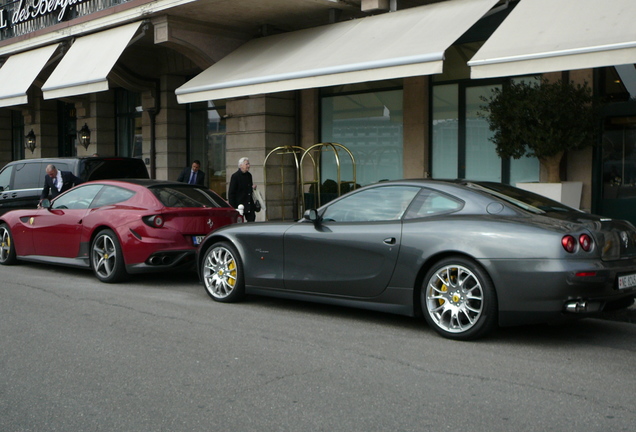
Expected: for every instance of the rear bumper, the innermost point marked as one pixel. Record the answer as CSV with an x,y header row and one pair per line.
x,y
165,260
536,291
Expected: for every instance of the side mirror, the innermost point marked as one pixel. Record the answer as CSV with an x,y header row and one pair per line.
x,y
312,216
241,209
46,203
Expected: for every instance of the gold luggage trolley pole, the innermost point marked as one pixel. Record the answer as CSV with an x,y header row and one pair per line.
x,y
317,180
282,152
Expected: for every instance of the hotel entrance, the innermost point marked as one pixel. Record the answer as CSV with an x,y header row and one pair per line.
x,y
618,197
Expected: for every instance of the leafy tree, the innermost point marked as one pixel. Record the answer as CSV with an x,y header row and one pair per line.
x,y
541,120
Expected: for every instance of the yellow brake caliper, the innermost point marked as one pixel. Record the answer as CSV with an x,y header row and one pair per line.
x,y
232,268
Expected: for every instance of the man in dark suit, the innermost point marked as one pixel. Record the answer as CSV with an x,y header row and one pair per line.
x,y
192,175
56,182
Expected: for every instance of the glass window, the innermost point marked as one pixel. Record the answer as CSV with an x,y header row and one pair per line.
x,y
370,126
207,143
5,178
185,196
482,161
445,153
461,146
619,158
77,198
431,203
110,195
129,128
29,176
379,204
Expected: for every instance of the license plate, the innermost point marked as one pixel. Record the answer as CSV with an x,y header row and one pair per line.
x,y
626,281
197,240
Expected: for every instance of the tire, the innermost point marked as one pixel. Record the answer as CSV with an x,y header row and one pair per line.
x,y
7,246
222,273
107,260
458,299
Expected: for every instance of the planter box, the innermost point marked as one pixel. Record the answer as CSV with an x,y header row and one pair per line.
x,y
568,193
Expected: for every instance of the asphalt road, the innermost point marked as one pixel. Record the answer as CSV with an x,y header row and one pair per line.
x,y
156,354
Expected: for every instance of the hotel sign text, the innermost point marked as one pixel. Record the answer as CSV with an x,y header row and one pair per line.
x,y
26,10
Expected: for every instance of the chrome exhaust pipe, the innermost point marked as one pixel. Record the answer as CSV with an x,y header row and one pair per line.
x,y
166,260
155,260
576,306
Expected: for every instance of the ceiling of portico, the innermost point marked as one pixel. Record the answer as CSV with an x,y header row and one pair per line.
x,y
250,16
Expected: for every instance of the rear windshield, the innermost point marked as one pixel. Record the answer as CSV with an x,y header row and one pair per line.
x,y
521,198
187,196
112,168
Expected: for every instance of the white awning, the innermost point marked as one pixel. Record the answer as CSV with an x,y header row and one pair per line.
x,y
549,35
409,42
18,73
85,67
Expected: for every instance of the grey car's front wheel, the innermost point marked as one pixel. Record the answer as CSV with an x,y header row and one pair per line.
x,y
459,300
107,259
222,273
7,248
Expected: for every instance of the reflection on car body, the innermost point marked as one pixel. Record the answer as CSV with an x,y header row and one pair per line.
x,y
467,255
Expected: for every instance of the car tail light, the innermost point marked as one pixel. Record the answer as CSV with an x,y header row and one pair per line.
x,y
586,242
155,221
569,243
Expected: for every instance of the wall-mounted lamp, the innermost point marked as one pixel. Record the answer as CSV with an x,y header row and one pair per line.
x,y
84,136
30,141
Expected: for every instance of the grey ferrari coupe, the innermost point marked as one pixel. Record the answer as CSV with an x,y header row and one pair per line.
x,y
467,255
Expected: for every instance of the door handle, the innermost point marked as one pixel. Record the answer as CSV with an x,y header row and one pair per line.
x,y
389,240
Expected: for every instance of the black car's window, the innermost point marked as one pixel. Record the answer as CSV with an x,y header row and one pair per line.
x,y
77,198
187,196
5,178
431,203
378,204
110,195
112,168
29,175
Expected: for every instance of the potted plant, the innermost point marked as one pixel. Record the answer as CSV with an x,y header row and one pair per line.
x,y
542,120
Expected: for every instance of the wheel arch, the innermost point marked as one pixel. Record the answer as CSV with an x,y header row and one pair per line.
x,y
212,239
426,266
98,229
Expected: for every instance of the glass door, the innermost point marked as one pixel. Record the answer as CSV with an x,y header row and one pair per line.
x,y
619,169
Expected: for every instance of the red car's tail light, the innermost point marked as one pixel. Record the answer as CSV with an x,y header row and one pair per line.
x,y
155,221
586,242
569,243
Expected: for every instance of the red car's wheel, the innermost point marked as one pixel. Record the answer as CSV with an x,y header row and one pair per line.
x,y
107,261
7,248
222,273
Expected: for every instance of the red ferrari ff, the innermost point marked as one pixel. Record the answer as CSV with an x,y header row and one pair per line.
x,y
116,227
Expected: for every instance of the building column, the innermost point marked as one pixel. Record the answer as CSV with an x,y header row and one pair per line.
x,y
97,111
416,127
255,126
41,116
170,130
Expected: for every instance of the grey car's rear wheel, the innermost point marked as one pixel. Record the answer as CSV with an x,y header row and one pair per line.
x,y
222,273
107,259
7,248
458,299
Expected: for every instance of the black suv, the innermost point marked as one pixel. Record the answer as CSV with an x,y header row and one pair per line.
x,y
21,181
